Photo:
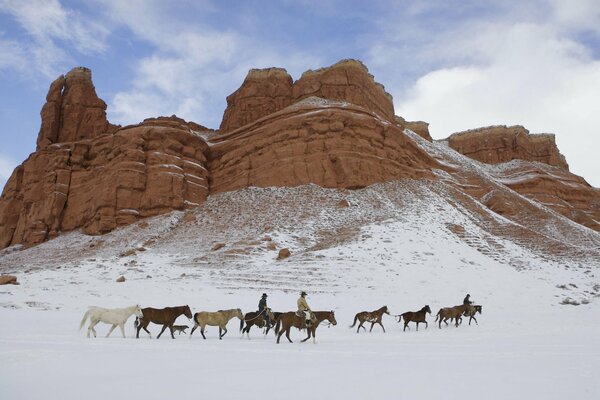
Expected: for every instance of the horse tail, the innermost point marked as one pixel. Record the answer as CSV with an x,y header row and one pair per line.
x,y
136,323
241,324
85,316
355,319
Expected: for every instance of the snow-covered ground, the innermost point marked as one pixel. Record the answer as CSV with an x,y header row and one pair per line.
x,y
527,344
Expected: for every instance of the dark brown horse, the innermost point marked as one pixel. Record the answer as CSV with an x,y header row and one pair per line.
x,y
415,316
320,317
374,317
287,320
161,316
257,318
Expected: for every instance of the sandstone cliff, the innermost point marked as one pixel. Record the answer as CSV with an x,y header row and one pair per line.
x,y
499,144
334,127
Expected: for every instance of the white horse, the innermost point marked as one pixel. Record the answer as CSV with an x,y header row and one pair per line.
x,y
114,316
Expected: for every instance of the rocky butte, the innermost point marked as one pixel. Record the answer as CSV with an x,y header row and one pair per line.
x,y
334,127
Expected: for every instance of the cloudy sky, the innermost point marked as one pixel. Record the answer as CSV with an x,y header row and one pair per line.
x,y
457,64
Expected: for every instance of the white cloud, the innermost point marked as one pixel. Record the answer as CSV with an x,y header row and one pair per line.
x,y
527,70
48,25
192,68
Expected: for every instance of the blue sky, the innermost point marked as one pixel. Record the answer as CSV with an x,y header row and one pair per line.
x,y
455,64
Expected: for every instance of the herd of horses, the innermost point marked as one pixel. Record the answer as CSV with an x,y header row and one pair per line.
x,y
280,322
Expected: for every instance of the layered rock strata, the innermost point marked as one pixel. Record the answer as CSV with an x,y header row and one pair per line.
x,y
500,144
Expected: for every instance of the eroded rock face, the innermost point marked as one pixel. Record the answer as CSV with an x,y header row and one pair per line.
x,y
73,110
499,144
334,127
99,184
263,92
266,91
332,144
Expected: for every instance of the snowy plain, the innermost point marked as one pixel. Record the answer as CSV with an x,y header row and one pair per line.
x,y
527,344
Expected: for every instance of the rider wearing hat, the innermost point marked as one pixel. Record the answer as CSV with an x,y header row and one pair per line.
x,y
467,300
262,306
303,308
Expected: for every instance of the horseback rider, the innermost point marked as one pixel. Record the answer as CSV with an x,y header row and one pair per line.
x,y
262,308
303,309
467,300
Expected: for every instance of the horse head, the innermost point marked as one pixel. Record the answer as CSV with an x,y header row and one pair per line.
x,y
138,311
385,310
427,309
239,314
478,309
331,318
187,312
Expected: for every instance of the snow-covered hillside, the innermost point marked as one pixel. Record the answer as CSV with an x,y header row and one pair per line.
x,y
403,244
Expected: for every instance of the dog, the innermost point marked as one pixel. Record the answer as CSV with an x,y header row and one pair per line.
x,y
180,328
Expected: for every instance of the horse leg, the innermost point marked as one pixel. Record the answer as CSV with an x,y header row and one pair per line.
x,y
474,319
426,324
112,328
193,329
202,331
417,326
279,335
381,326
91,328
287,333
162,330
122,326
372,323
308,335
405,325
171,329
225,329
146,329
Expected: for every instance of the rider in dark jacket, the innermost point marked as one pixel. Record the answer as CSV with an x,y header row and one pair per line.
x,y
262,306
467,300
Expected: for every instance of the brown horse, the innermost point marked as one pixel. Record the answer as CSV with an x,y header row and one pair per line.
x,y
415,316
451,313
161,316
290,319
219,318
374,317
257,318
320,317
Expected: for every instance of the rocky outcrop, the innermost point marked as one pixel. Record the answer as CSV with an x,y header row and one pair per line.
x,y
554,187
73,110
421,128
263,92
499,144
348,81
334,127
330,143
266,91
101,183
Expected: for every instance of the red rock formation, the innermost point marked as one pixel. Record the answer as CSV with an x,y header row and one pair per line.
x,y
329,143
499,144
88,174
269,90
263,92
101,183
421,128
73,111
349,81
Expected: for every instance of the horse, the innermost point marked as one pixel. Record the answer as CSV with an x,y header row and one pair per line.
x,y
256,318
290,319
415,316
449,313
114,316
273,323
471,311
219,318
374,317
161,316
320,317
